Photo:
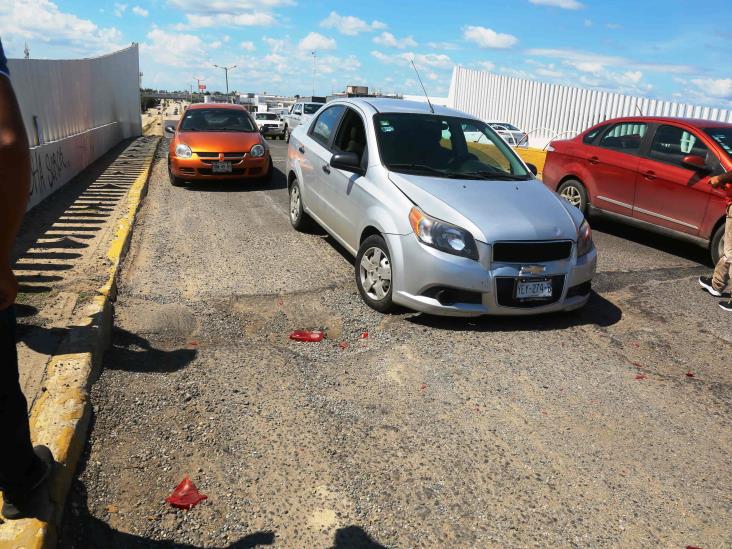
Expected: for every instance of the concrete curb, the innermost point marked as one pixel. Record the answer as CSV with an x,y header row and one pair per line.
x,y
60,415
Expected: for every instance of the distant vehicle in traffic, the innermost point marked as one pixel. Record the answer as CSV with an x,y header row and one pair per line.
x,y
442,216
217,141
270,123
513,136
650,172
299,113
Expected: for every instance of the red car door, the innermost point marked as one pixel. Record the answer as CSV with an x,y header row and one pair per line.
x,y
613,164
668,193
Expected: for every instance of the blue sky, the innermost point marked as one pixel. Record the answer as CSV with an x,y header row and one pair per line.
x,y
668,49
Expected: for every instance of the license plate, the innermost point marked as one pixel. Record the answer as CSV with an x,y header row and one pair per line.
x,y
534,289
221,167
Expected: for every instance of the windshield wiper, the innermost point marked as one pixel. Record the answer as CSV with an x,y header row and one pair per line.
x,y
485,174
420,167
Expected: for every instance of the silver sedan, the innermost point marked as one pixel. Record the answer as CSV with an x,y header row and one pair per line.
x,y
442,216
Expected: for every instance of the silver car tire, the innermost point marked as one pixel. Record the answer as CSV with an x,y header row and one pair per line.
x,y
374,274
299,219
574,192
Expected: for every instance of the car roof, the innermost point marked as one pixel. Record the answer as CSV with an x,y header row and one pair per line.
x,y
233,106
695,122
390,105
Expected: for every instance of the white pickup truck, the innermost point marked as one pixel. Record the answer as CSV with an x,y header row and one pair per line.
x,y
299,113
270,124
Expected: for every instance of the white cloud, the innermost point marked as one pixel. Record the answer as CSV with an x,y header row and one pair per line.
x,y
564,4
349,25
388,39
316,42
614,26
588,23
488,38
142,12
433,60
119,9
254,19
227,6
247,45
41,21
719,88
442,46
174,49
592,62
486,65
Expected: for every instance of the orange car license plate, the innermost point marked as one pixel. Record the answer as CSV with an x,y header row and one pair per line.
x,y
221,167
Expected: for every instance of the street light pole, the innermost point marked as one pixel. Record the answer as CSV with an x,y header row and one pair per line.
x,y
315,66
226,72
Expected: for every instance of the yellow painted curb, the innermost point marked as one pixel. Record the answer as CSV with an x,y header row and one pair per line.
x,y
60,416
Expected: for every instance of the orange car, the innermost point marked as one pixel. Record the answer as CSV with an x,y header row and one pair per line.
x,y
217,141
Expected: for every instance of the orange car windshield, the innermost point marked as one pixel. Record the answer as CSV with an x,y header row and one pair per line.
x,y
216,120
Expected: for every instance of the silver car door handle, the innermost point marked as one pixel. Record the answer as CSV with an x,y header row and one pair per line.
x,y
326,168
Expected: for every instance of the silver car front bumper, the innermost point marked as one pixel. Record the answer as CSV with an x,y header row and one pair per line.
x,y
418,269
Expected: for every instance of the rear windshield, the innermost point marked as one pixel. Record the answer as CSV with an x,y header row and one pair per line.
x,y
311,108
216,120
266,116
723,136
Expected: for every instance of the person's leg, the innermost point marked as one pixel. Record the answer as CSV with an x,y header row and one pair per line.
x,y
723,269
17,459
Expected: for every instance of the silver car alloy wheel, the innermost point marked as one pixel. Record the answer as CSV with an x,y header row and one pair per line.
x,y
572,195
295,203
375,273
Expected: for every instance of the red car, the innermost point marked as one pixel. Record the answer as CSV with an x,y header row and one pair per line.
x,y
650,172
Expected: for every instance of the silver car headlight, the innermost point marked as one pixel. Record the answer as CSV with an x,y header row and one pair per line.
x,y
584,239
257,151
441,235
183,151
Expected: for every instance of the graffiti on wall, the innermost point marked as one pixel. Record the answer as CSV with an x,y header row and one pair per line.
x,y
47,170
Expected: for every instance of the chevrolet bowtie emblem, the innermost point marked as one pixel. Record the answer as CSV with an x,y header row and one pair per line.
x,y
533,269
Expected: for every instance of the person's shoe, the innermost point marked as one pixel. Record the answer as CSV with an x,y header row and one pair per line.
x,y
726,305
16,507
706,283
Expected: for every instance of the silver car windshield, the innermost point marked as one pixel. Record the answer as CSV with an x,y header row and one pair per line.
x,y
445,146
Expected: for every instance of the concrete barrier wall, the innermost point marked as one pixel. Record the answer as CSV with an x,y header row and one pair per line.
x,y
547,110
75,111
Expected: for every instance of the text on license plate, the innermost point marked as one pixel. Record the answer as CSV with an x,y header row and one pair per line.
x,y
222,167
534,289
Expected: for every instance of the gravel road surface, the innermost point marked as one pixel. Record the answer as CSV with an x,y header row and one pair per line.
x,y
609,427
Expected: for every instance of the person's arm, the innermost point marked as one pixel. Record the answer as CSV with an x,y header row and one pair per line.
x,y
722,180
14,182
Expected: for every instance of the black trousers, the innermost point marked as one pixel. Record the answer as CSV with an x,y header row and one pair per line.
x,y
17,459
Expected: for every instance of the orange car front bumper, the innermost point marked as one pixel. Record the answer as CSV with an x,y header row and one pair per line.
x,y
196,168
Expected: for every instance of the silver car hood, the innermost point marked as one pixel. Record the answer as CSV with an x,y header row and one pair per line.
x,y
492,210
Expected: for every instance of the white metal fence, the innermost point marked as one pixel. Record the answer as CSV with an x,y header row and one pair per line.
x,y
547,111
75,111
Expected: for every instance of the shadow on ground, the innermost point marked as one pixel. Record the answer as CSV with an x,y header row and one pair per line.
x,y
651,239
133,353
598,311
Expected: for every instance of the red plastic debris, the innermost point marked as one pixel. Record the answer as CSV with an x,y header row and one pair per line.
x,y
192,344
304,335
640,377
692,547
343,345
689,374
186,495
364,335
423,387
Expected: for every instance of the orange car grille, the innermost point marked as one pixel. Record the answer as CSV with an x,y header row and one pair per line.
x,y
227,156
